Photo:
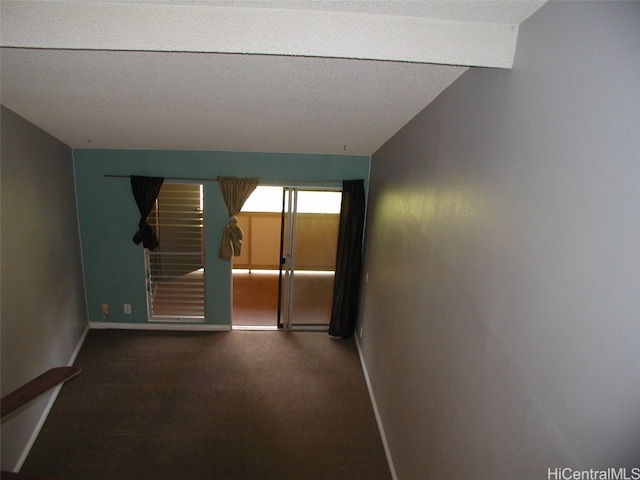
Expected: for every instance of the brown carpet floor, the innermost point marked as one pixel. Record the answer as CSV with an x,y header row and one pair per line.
x,y
224,405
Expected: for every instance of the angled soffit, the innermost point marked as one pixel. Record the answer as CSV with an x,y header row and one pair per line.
x,y
304,76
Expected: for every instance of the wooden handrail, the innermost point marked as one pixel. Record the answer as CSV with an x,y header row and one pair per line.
x,y
23,395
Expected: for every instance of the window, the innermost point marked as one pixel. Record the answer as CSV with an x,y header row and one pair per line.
x,y
175,269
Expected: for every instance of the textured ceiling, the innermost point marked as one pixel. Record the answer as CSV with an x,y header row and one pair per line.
x,y
271,76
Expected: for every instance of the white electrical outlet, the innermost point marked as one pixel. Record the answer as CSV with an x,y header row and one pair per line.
x,y
127,308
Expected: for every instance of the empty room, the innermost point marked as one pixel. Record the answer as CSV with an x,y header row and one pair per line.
x,y
450,260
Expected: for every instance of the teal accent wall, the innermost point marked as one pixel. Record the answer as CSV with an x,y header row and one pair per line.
x,y
108,216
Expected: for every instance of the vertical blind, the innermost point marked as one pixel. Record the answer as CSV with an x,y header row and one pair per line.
x,y
175,269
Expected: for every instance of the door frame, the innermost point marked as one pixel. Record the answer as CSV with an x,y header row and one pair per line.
x,y
279,322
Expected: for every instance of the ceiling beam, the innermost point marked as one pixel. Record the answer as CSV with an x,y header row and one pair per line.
x,y
262,31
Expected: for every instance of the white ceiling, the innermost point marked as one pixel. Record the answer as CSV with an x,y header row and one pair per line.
x,y
304,76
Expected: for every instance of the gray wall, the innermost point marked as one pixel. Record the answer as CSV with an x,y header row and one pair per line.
x,y
43,303
501,318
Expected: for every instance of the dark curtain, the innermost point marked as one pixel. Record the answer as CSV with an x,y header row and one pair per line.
x,y
346,289
145,191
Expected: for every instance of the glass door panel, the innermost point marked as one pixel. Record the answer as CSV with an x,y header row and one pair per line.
x,y
310,238
255,272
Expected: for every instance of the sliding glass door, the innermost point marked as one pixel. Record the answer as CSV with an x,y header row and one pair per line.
x,y
310,221
284,276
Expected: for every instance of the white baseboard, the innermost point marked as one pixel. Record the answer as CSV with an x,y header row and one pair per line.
x,y
377,413
47,409
160,326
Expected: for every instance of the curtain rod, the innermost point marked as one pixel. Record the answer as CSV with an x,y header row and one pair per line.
x,y
106,175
